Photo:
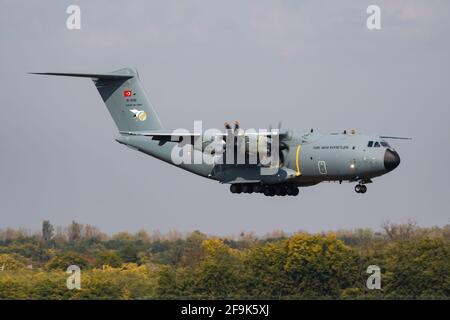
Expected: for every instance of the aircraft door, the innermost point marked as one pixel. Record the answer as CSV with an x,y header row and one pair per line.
x,y
322,167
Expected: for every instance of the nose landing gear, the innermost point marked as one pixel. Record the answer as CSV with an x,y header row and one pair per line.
x,y
360,188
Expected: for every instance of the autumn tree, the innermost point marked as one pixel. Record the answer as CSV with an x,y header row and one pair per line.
x,y
108,258
320,266
74,232
265,275
47,231
62,261
219,273
11,262
193,251
417,269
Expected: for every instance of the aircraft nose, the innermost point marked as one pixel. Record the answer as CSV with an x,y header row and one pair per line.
x,y
391,160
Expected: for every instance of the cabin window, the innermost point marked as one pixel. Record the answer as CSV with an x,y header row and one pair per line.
x,y
385,144
370,144
377,144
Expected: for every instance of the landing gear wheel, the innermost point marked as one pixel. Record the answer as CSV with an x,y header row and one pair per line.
x,y
269,191
292,190
247,189
363,189
235,188
257,188
278,190
360,188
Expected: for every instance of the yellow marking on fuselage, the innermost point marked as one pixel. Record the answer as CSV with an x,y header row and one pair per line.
x,y
296,160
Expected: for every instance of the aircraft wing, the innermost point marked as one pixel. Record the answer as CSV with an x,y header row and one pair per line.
x,y
393,137
191,134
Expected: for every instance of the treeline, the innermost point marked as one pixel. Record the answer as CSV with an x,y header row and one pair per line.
x,y
414,263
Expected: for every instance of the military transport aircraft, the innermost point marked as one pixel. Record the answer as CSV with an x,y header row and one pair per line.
x,y
302,158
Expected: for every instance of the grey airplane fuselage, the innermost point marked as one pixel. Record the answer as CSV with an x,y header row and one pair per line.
x,y
313,157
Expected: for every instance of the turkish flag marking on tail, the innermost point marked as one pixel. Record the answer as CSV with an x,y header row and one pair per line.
x,y
127,93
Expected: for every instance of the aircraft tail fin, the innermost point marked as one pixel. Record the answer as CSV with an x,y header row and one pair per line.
x,y
124,97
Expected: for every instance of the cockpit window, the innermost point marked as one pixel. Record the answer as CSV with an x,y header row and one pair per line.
x,y
370,144
385,144
377,144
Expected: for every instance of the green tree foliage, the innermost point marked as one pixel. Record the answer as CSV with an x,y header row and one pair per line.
x,y
193,251
167,284
11,262
414,262
303,266
62,261
265,275
218,273
130,281
417,269
320,266
108,258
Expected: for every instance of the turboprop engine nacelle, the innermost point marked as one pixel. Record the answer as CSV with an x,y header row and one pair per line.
x,y
257,144
249,144
211,144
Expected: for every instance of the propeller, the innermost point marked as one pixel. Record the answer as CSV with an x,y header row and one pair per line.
x,y
236,126
283,148
232,132
278,127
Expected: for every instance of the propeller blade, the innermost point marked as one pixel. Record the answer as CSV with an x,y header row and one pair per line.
x,y
284,146
236,127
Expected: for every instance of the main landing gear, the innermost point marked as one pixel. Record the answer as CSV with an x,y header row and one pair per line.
x,y
360,188
267,190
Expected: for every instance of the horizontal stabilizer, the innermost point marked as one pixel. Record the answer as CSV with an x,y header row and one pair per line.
x,y
102,76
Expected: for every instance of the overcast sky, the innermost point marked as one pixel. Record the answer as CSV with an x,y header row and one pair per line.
x,y
309,64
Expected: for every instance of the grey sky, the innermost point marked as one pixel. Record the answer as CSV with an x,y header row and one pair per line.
x,y
305,63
